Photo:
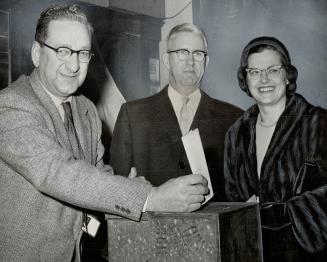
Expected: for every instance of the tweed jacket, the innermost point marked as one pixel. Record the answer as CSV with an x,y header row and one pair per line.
x,y
147,135
293,172
43,189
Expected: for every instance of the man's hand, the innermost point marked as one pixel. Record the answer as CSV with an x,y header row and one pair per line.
x,y
182,194
133,175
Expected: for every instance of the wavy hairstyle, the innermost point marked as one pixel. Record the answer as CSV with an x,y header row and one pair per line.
x,y
259,44
186,27
59,12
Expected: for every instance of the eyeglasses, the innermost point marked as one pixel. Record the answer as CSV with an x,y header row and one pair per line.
x,y
183,54
63,53
272,72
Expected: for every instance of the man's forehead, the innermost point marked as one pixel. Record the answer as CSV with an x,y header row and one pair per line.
x,y
69,30
187,40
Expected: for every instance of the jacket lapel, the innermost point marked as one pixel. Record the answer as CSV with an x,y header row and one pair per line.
x,y
83,127
50,107
247,146
165,112
171,132
204,112
285,126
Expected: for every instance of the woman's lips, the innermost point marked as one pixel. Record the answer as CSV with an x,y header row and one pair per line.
x,y
264,89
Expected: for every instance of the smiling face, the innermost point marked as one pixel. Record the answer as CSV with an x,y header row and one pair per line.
x,y
62,78
185,76
267,90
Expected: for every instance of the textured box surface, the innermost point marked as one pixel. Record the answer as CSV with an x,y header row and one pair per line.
x,y
225,232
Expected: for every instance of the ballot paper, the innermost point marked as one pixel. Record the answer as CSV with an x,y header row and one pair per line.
x,y
195,154
253,199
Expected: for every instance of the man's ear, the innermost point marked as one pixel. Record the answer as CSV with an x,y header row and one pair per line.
x,y
35,53
165,59
207,61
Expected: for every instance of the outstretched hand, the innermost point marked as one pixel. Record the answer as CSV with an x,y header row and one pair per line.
x,y
182,194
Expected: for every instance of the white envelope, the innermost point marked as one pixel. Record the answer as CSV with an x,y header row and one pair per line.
x,y
195,154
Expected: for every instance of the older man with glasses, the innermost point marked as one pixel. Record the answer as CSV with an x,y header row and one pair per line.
x,y
52,177
148,132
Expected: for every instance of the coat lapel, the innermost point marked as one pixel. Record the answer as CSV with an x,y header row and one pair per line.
x,y
49,106
83,127
170,131
203,113
247,144
165,113
285,126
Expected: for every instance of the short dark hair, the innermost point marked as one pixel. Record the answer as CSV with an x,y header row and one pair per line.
x,y
259,44
59,12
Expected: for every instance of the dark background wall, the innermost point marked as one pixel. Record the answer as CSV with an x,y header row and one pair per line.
x,y
124,42
230,24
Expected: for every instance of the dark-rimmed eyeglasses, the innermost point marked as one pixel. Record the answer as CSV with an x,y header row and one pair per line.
x,y
183,54
63,53
272,72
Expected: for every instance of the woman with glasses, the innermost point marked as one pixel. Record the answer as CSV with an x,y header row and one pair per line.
x,y
275,154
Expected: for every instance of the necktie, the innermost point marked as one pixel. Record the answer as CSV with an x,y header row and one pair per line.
x,y
186,118
71,131
77,152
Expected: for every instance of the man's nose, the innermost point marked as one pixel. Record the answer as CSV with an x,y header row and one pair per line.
x,y
190,59
73,63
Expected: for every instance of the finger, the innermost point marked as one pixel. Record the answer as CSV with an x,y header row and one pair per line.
x,y
193,207
193,199
206,191
197,189
132,173
143,180
195,179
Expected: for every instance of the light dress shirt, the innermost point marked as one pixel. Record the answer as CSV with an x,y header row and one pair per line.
x,y
58,103
177,100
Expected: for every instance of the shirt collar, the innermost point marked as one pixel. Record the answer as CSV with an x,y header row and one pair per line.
x,y
58,102
177,99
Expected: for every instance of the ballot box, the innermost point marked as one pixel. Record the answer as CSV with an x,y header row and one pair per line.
x,y
224,232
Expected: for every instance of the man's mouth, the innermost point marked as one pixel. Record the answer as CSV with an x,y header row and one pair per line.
x,y
69,76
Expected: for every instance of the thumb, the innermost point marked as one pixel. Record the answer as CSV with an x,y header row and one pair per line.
x,y
132,173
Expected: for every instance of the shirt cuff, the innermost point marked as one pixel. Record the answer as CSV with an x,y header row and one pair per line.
x,y
145,204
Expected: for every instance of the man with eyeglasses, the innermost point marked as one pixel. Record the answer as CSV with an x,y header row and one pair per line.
x,y
52,175
148,132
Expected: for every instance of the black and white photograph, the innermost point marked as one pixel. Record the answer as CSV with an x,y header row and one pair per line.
x,y
163,130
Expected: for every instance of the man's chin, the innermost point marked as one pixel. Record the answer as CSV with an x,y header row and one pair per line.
x,y
189,82
68,90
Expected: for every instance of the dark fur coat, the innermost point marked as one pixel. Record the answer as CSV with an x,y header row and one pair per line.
x,y
293,182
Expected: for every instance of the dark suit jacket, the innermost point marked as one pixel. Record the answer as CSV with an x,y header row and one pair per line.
x,y
42,187
147,136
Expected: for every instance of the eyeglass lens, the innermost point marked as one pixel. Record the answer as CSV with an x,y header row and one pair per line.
x,y
183,54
